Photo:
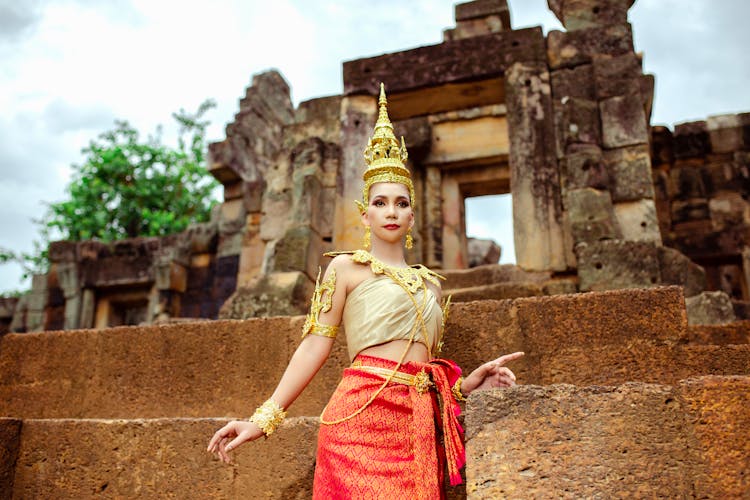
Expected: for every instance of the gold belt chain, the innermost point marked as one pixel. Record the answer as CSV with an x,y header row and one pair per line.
x,y
421,381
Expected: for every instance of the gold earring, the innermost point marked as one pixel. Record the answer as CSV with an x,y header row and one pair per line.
x,y
409,240
366,238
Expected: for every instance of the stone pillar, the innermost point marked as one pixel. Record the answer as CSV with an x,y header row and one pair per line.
x,y
67,275
358,116
454,226
535,183
433,218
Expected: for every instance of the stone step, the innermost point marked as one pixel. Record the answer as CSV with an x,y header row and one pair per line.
x,y
691,440
159,458
226,368
641,440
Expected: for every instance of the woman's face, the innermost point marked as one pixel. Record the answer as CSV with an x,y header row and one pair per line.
x,y
389,213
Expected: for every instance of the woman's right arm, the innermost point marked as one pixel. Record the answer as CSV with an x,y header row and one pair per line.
x,y
306,361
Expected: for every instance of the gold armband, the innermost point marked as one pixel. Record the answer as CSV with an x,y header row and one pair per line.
x,y
457,390
268,417
319,305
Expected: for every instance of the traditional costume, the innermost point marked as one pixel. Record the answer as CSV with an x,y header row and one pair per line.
x,y
391,427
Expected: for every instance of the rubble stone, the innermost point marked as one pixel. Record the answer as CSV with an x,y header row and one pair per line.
x,y
709,308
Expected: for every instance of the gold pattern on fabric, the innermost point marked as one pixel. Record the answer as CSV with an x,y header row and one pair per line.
x,y
322,301
385,157
446,314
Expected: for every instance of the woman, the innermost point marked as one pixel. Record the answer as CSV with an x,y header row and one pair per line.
x,y
391,425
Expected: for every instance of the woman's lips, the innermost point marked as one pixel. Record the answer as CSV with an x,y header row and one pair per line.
x,y
391,226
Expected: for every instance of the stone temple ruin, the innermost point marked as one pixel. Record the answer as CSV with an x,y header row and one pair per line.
x,y
655,222
601,200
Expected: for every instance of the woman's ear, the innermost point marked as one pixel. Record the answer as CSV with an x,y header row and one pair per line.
x,y
411,220
365,220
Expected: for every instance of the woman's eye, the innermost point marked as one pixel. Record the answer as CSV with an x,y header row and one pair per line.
x,y
404,204
378,203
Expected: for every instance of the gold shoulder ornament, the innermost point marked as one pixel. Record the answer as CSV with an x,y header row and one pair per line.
x,y
322,301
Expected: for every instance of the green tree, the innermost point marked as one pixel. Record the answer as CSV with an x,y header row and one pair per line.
x,y
129,187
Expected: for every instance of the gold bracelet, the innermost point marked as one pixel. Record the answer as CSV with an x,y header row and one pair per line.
x,y
457,390
268,416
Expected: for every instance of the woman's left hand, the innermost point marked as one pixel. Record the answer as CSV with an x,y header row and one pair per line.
x,y
491,375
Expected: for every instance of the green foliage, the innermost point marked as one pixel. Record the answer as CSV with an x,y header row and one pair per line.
x,y
129,187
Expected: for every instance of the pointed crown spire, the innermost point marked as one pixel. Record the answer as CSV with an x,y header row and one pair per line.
x,y
384,156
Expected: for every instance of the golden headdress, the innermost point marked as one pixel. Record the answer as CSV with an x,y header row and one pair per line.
x,y
385,157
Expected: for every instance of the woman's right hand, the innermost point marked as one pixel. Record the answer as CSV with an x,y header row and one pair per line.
x,y
231,436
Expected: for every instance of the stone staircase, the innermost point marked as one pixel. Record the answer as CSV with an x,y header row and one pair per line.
x,y
620,397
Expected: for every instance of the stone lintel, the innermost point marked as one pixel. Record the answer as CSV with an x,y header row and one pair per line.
x,y
483,8
473,58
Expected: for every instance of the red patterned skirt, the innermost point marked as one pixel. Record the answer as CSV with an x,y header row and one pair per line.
x,y
398,446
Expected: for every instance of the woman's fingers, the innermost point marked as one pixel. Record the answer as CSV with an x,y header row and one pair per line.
x,y
218,435
234,443
507,358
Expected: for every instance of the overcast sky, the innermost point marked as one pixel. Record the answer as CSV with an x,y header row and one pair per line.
x,y
71,67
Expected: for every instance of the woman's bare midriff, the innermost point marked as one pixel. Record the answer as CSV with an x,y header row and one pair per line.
x,y
394,349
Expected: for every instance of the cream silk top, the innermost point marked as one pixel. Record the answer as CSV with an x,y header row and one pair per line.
x,y
379,310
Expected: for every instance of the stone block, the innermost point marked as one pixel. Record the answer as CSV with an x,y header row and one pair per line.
x,y
710,308
717,413
298,250
497,291
691,139
576,121
637,221
160,457
613,264
62,251
451,62
737,332
419,132
582,167
725,133
647,84
566,441
661,146
480,329
585,14
232,218
591,215
474,27
728,209
564,325
489,274
462,140
7,307
573,48
67,275
678,269
201,238
630,173
691,210
230,245
483,8
623,121
170,275
573,82
617,76
10,436
689,181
